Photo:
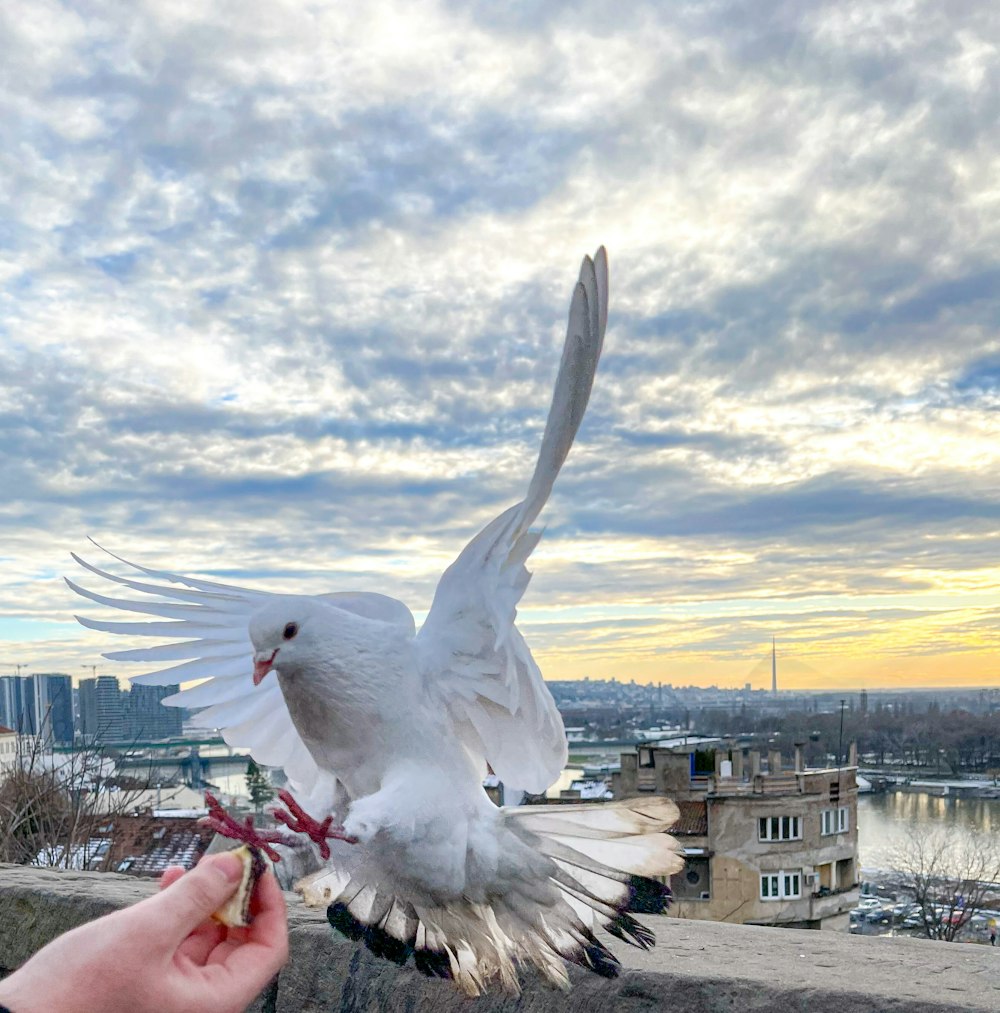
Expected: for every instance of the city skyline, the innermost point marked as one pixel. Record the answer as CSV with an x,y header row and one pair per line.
x,y
757,678
282,304
98,708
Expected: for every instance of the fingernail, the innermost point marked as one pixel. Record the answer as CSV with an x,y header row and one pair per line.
x,y
228,866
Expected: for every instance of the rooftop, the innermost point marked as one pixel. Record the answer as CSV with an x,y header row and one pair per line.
x,y
693,821
142,845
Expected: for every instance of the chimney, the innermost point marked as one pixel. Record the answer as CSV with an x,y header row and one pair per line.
x,y
774,761
720,756
754,763
852,754
737,756
799,758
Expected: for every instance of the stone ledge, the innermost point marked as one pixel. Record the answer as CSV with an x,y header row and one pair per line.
x,y
697,967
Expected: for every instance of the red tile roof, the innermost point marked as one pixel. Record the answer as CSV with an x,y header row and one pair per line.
x,y
693,820
148,844
6,731
144,845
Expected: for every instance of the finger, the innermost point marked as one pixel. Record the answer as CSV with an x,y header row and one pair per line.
x,y
202,942
184,905
222,952
266,948
171,874
270,919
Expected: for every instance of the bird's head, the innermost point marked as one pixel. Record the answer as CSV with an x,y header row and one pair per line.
x,y
284,635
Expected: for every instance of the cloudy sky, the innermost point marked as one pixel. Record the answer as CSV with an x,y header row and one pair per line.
x,y
282,289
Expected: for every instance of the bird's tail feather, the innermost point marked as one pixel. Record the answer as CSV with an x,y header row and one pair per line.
x,y
581,869
588,319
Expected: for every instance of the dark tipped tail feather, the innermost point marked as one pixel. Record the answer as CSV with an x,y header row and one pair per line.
x,y
584,869
645,896
382,943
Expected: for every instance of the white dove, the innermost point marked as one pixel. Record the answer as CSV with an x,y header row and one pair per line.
x,y
391,731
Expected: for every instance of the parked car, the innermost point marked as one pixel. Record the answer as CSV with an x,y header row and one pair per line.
x,y
904,909
878,915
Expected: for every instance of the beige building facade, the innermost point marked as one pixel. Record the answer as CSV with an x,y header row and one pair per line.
x,y
8,748
763,845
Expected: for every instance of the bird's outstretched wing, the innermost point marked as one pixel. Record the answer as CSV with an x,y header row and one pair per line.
x,y
208,626
474,660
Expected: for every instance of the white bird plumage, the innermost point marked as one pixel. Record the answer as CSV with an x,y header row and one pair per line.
x,y
392,729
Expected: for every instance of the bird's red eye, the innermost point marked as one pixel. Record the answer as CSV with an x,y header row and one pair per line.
x,y
290,630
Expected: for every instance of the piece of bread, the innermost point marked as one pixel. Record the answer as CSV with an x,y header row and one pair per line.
x,y
235,913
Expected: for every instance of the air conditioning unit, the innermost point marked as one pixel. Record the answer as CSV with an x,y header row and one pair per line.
x,y
811,878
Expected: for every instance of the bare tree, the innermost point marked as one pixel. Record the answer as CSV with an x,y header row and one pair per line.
x,y
949,877
51,803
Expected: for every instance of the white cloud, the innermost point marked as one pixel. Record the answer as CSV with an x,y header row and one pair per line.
x,y
279,285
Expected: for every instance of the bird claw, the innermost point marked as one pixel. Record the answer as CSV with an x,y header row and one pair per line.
x,y
222,823
300,822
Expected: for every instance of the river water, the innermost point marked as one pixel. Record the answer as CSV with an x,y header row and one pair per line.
x,y
886,822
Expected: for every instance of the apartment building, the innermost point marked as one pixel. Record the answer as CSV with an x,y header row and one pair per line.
x,y
763,845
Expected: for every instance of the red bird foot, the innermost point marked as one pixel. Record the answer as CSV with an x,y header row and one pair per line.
x,y
222,823
300,822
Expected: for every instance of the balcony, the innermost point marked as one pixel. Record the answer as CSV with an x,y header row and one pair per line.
x,y
836,902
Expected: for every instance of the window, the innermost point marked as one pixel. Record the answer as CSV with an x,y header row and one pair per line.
x,y
834,821
646,757
781,885
779,828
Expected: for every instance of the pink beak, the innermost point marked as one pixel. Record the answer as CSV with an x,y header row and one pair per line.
x,y
261,666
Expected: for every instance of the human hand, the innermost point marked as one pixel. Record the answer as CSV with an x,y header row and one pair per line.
x,y
162,955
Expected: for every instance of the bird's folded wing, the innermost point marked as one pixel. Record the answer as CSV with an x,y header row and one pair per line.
x,y
474,660
207,626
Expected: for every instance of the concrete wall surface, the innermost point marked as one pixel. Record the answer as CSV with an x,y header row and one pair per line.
x,y
696,967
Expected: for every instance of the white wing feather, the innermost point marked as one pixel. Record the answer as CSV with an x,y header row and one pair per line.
x,y
474,660
472,656
211,625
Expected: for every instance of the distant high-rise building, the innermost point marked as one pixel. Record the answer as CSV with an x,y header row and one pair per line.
x,y
17,705
146,718
52,693
88,723
774,667
102,711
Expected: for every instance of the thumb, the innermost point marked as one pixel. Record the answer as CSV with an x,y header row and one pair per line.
x,y
188,901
